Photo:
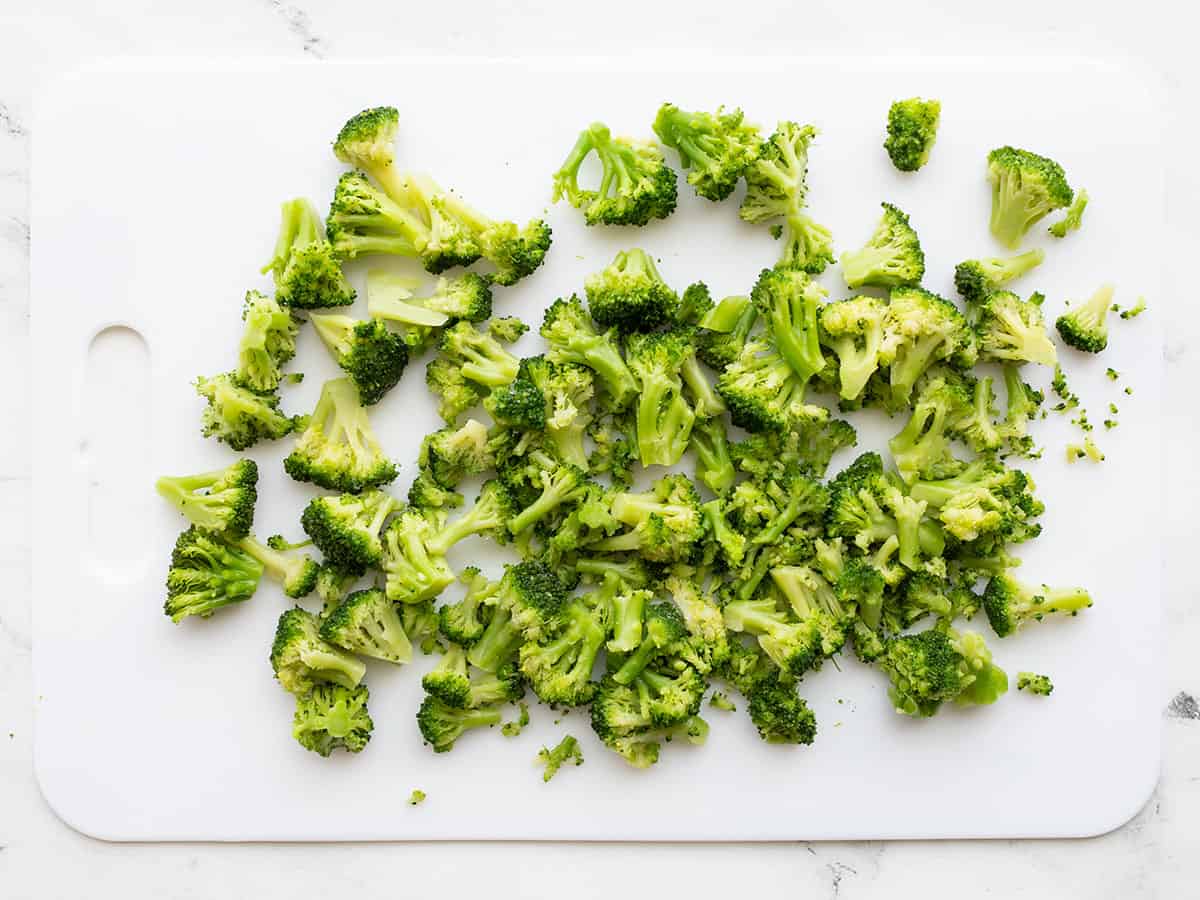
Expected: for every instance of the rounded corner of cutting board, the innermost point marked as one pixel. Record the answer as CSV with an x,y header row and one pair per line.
x,y
1121,808
66,807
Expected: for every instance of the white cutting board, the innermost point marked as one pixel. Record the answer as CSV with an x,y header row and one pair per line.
x,y
155,198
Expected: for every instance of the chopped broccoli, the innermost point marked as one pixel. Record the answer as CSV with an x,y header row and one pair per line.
x,y
715,147
221,502
347,528
664,416
367,141
1009,603
560,669
1082,326
490,515
338,450
664,523
207,574
921,328
372,356
302,660
444,378
630,294
1025,188
1012,329
912,126
780,714
366,623
306,271
976,278
441,725
416,798
296,574
724,331
462,622
636,184
718,700
268,341
1136,310
777,180
573,339
1034,683
515,727
478,356
709,441
931,667
415,571
548,483
239,416
566,750
1073,218
332,717
891,258
853,329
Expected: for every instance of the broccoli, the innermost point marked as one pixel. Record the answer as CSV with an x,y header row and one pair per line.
x,y
467,297
415,571
636,184
1012,329
694,304
664,523
664,416
718,700
372,356
566,750
451,454
445,378
621,722
972,421
714,466
462,622
921,595
347,528
807,245
787,301
528,604
338,450
221,502
1134,311
420,622
630,294
490,515
426,493
548,482
520,404
976,278
891,258
715,147
763,391
1074,217
627,610
268,341
1009,603
207,574
1034,683
779,713
912,126
239,416
366,623
478,356
332,586
853,329
364,219
297,575
776,182
441,725
703,620
332,717
1025,188
794,646
930,667
560,669
724,330
923,444
1022,405
451,682
921,328
573,339
632,571
507,329
515,727
302,660
551,396
729,542
306,272
985,497
1082,327
390,297
367,141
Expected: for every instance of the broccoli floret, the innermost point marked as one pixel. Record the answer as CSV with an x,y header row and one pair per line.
x,y
456,395
630,294
627,610
636,184
239,416
467,297
572,339
930,667
923,445
794,646
306,271
426,493
549,483
704,622
776,182
976,278
1025,188
367,141
221,502
780,714
490,515
551,396
1022,405
331,717
560,669
729,542
1034,683
1010,328
1083,327
520,404
268,341
372,356
332,585
921,328
664,416
478,356
853,329
716,147
723,331
207,574
347,528
415,571
663,635
296,574
450,682
985,497
631,571
1134,311
451,454
912,126
391,297
787,302
366,623
441,725
972,421
534,596
763,391
713,464
420,621
462,622
566,750
892,257
302,660
664,523
515,727
1010,604
807,245
1073,219
694,304
507,329
623,722
364,219
338,450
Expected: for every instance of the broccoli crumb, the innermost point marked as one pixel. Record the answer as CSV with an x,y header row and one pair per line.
x,y
1110,424
1088,449
1112,408
776,231
720,701
1070,399
553,759
1128,392
1034,683
416,798
1134,311
1112,374
1082,421
515,727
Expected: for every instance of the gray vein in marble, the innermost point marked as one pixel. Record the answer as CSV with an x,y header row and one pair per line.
x,y
837,872
1183,706
299,25
10,124
16,638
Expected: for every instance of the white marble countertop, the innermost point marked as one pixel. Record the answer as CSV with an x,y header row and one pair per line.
x,y
1147,858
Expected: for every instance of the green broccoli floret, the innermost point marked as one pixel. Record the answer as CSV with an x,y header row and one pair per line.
x,y
627,607
664,523
551,396
1074,217
306,271
478,356
930,667
441,725
338,450
347,528
1012,329
724,331
572,339
711,445
547,482
444,378
366,623
787,301
664,416
490,515
331,717
779,713
566,750
426,493
364,219
726,540
367,141
368,352
631,571
238,416
630,294
451,682
420,621
1083,327
912,126
1025,188
716,147
391,297
853,329
302,660
515,727
221,501
462,622
1134,311
560,669
623,721
268,341
1034,683
709,645
794,646
807,245
415,571
507,329
520,404
467,297
776,182
922,594
1010,604
923,445
1022,405
861,586
694,304
972,421
451,454
528,605
296,574
976,278
636,184
986,497
763,391
207,574
921,328
332,586
892,257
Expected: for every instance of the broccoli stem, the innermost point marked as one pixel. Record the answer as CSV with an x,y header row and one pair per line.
x,y
706,402
498,643
279,566
555,492
628,607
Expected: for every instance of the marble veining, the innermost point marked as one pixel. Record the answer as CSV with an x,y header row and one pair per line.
x,y
300,25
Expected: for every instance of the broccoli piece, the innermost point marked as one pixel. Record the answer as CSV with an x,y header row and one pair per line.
x,y
787,302
451,454
923,445
451,682
1134,311
572,339
462,622
636,184
372,356
630,294
922,594
391,297
515,727
631,571
891,258
560,669
338,450
442,725
555,484
853,329
664,523
794,646
297,575
718,700
716,147
1010,604
807,245
1023,404
623,722
730,543
567,750
445,378
507,329
912,126
763,391
268,341
862,584
347,528
366,623
467,298
207,574
420,621
520,404
478,356
301,660
776,182
332,717
332,586
780,714
489,515
533,595
306,272
553,396
238,416
628,608
930,667
364,219
1031,681
724,331
984,498
921,328
415,571
416,798
1012,329
1073,219
1083,326
976,278
713,464
221,502
694,305
367,141
1025,188
426,493
664,417
709,646
663,635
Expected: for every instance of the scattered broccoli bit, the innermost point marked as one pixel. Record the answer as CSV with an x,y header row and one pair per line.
x,y
1112,374
565,751
515,727
1009,603
1083,327
416,798
296,573
239,416
636,184
720,701
1073,218
716,148
347,528
333,717
1025,189
1087,449
306,271
911,130
268,341
337,449
1070,400
206,574
892,257
1034,683
368,352
221,502
1134,311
